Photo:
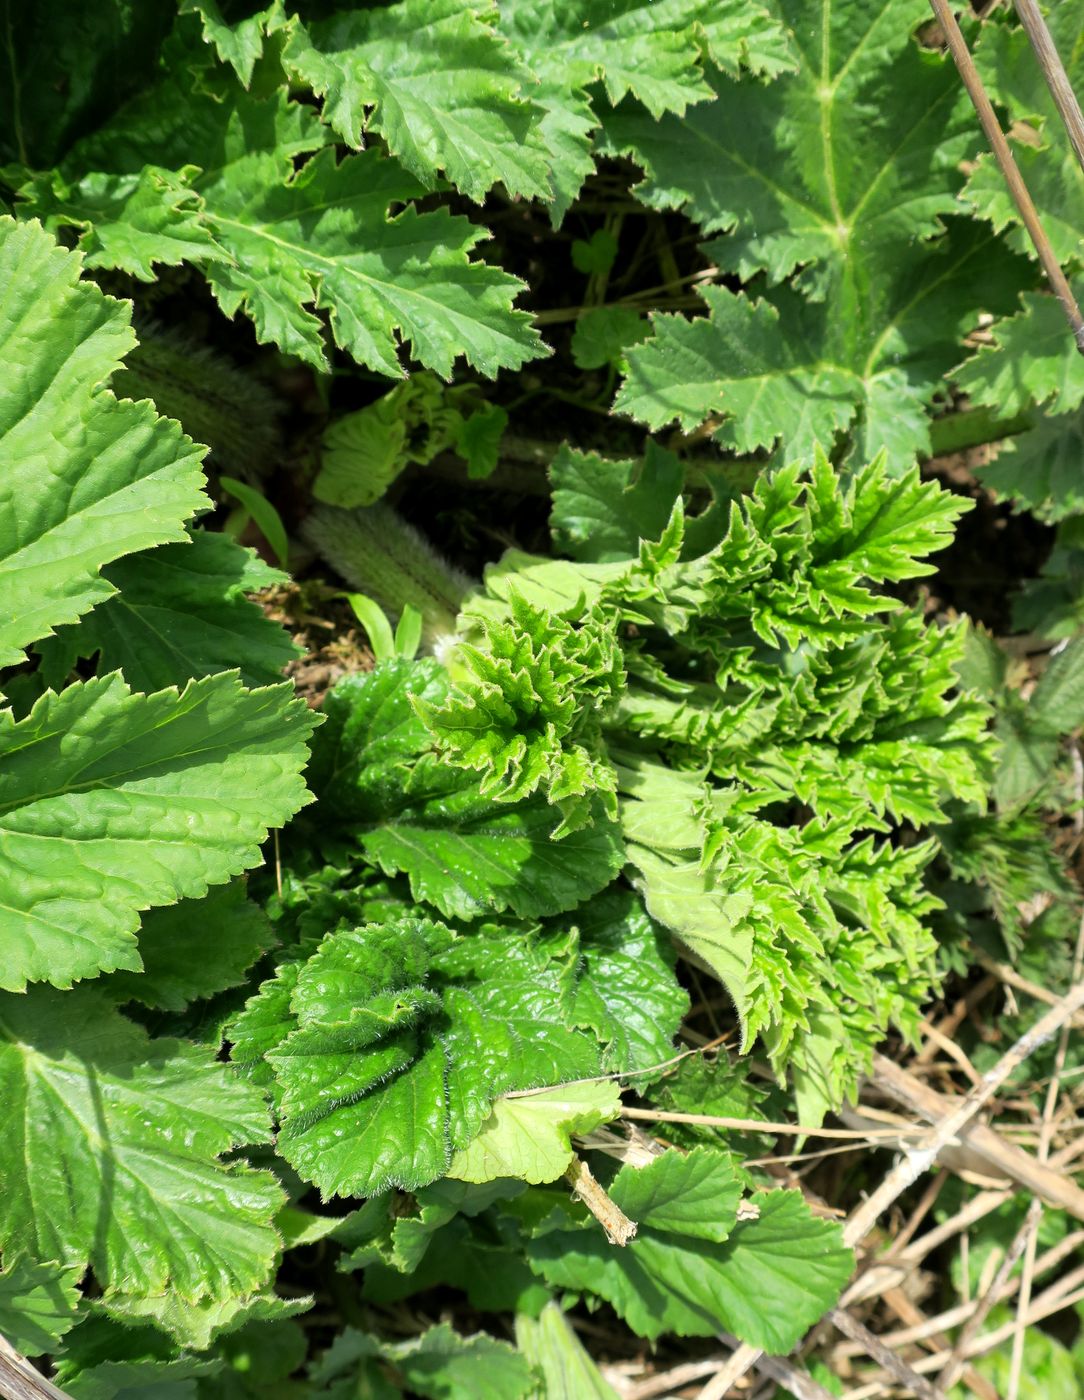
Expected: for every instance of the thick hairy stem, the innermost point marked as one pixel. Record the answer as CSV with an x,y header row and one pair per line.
x,y
378,554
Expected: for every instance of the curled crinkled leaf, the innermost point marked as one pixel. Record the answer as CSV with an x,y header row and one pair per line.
x,y
527,718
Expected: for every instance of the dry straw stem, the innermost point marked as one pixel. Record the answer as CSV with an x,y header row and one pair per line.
x,y
888,1360
957,1360
1008,1160
919,1159
1054,1300
1057,80
1045,1137
20,1381
618,1227
1004,156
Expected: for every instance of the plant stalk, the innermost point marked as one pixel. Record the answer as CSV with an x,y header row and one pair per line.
x,y
1028,213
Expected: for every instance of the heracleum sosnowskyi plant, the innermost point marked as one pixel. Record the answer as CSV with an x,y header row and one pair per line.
x,y
697,736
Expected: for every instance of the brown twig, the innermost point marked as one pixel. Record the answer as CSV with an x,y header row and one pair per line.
x,y
888,1360
618,1227
20,1381
921,1157
957,1360
1009,169
1057,80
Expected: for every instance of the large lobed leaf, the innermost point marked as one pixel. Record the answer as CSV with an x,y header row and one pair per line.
x,y
694,1266
844,170
281,243
790,372
181,612
457,103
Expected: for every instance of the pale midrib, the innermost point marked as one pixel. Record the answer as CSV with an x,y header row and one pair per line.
x,y
392,291
825,95
115,782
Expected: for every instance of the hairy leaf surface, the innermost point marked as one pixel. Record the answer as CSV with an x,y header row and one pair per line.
x,y
404,1037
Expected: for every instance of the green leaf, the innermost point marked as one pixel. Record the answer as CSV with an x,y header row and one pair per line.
x,y
526,715
113,802
505,857
326,238
785,369
711,921
414,814
595,255
1058,699
131,221
1040,469
1007,64
796,182
241,44
457,103
196,1325
139,1380
603,334
87,479
404,1037
528,1137
782,1272
377,627
1031,360
362,453
1026,758
782,166
297,241
653,50
551,1346
181,612
38,1304
440,1364
263,513
99,1112
603,508
627,993
195,949
478,440
649,49
693,1267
